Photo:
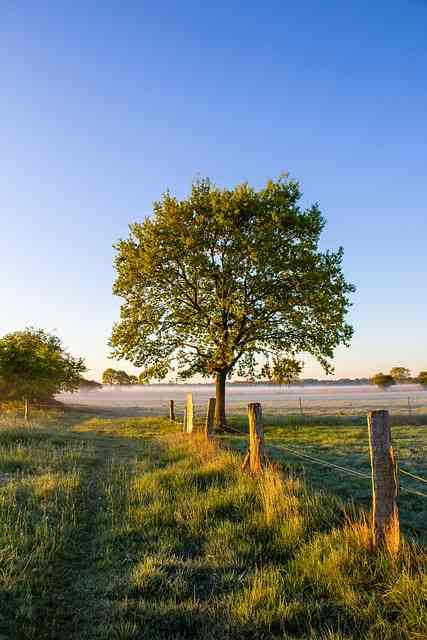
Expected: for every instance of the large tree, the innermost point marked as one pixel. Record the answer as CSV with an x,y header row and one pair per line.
x,y
34,366
226,280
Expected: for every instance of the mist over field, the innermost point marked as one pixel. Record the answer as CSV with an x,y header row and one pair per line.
x,y
274,398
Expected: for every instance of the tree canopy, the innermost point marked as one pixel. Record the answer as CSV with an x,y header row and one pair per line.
x,y
422,379
400,374
229,280
118,376
383,380
89,384
34,366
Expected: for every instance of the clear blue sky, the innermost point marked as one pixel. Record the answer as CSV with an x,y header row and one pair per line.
x,y
105,105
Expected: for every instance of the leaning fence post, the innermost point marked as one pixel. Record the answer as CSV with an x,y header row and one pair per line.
x,y
210,415
256,437
385,513
189,413
171,410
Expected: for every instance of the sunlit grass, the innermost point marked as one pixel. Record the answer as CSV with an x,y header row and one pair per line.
x,y
116,528
129,427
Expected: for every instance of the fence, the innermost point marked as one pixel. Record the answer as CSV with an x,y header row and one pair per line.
x,y
384,477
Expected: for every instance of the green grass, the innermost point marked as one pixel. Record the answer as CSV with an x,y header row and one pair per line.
x,y
347,446
126,529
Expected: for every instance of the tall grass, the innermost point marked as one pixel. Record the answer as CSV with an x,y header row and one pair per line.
x,y
117,531
216,553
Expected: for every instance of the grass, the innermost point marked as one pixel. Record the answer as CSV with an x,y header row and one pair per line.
x,y
347,446
126,529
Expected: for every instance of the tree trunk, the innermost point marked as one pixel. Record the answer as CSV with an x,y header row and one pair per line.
x,y
220,419
26,410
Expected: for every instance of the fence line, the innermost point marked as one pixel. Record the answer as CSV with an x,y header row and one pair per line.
x,y
196,408
325,463
347,470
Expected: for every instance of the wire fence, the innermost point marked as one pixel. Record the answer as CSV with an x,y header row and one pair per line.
x,y
309,458
348,470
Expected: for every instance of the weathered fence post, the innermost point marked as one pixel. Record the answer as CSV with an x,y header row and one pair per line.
x,y
256,437
189,413
184,422
210,415
171,410
385,513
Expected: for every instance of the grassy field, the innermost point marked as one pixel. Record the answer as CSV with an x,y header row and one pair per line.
x,y
344,442
124,528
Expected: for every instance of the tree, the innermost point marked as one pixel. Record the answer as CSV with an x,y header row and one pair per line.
x,y
34,366
89,384
123,378
383,380
400,374
118,376
422,379
109,376
228,280
286,371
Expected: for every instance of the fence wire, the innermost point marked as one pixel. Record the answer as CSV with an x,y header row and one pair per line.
x,y
413,475
347,470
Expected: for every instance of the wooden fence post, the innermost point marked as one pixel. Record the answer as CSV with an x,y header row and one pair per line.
x,y
256,437
385,513
190,413
210,415
171,410
184,422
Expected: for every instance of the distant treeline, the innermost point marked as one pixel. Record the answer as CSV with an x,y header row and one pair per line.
x,y
297,383
307,382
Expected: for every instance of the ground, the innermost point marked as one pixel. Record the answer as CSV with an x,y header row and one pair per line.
x,y
125,528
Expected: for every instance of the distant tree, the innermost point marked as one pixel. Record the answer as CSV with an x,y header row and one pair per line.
x,y
400,374
109,376
89,384
383,380
225,280
34,366
285,371
422,379
124,378
118,376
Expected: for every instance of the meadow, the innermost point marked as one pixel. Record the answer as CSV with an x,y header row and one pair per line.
x,y
123,527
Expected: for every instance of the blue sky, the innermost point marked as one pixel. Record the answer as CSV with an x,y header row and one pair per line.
x,y
105,105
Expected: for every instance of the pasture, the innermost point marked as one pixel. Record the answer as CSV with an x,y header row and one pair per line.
x,y
114,527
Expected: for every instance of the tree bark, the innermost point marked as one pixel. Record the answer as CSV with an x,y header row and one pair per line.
x,y
210,418
220,419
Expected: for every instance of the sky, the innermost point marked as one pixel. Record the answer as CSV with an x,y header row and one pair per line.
x,y
104,106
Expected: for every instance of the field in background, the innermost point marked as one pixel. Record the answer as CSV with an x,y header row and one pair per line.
x,y
276,400
114,527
